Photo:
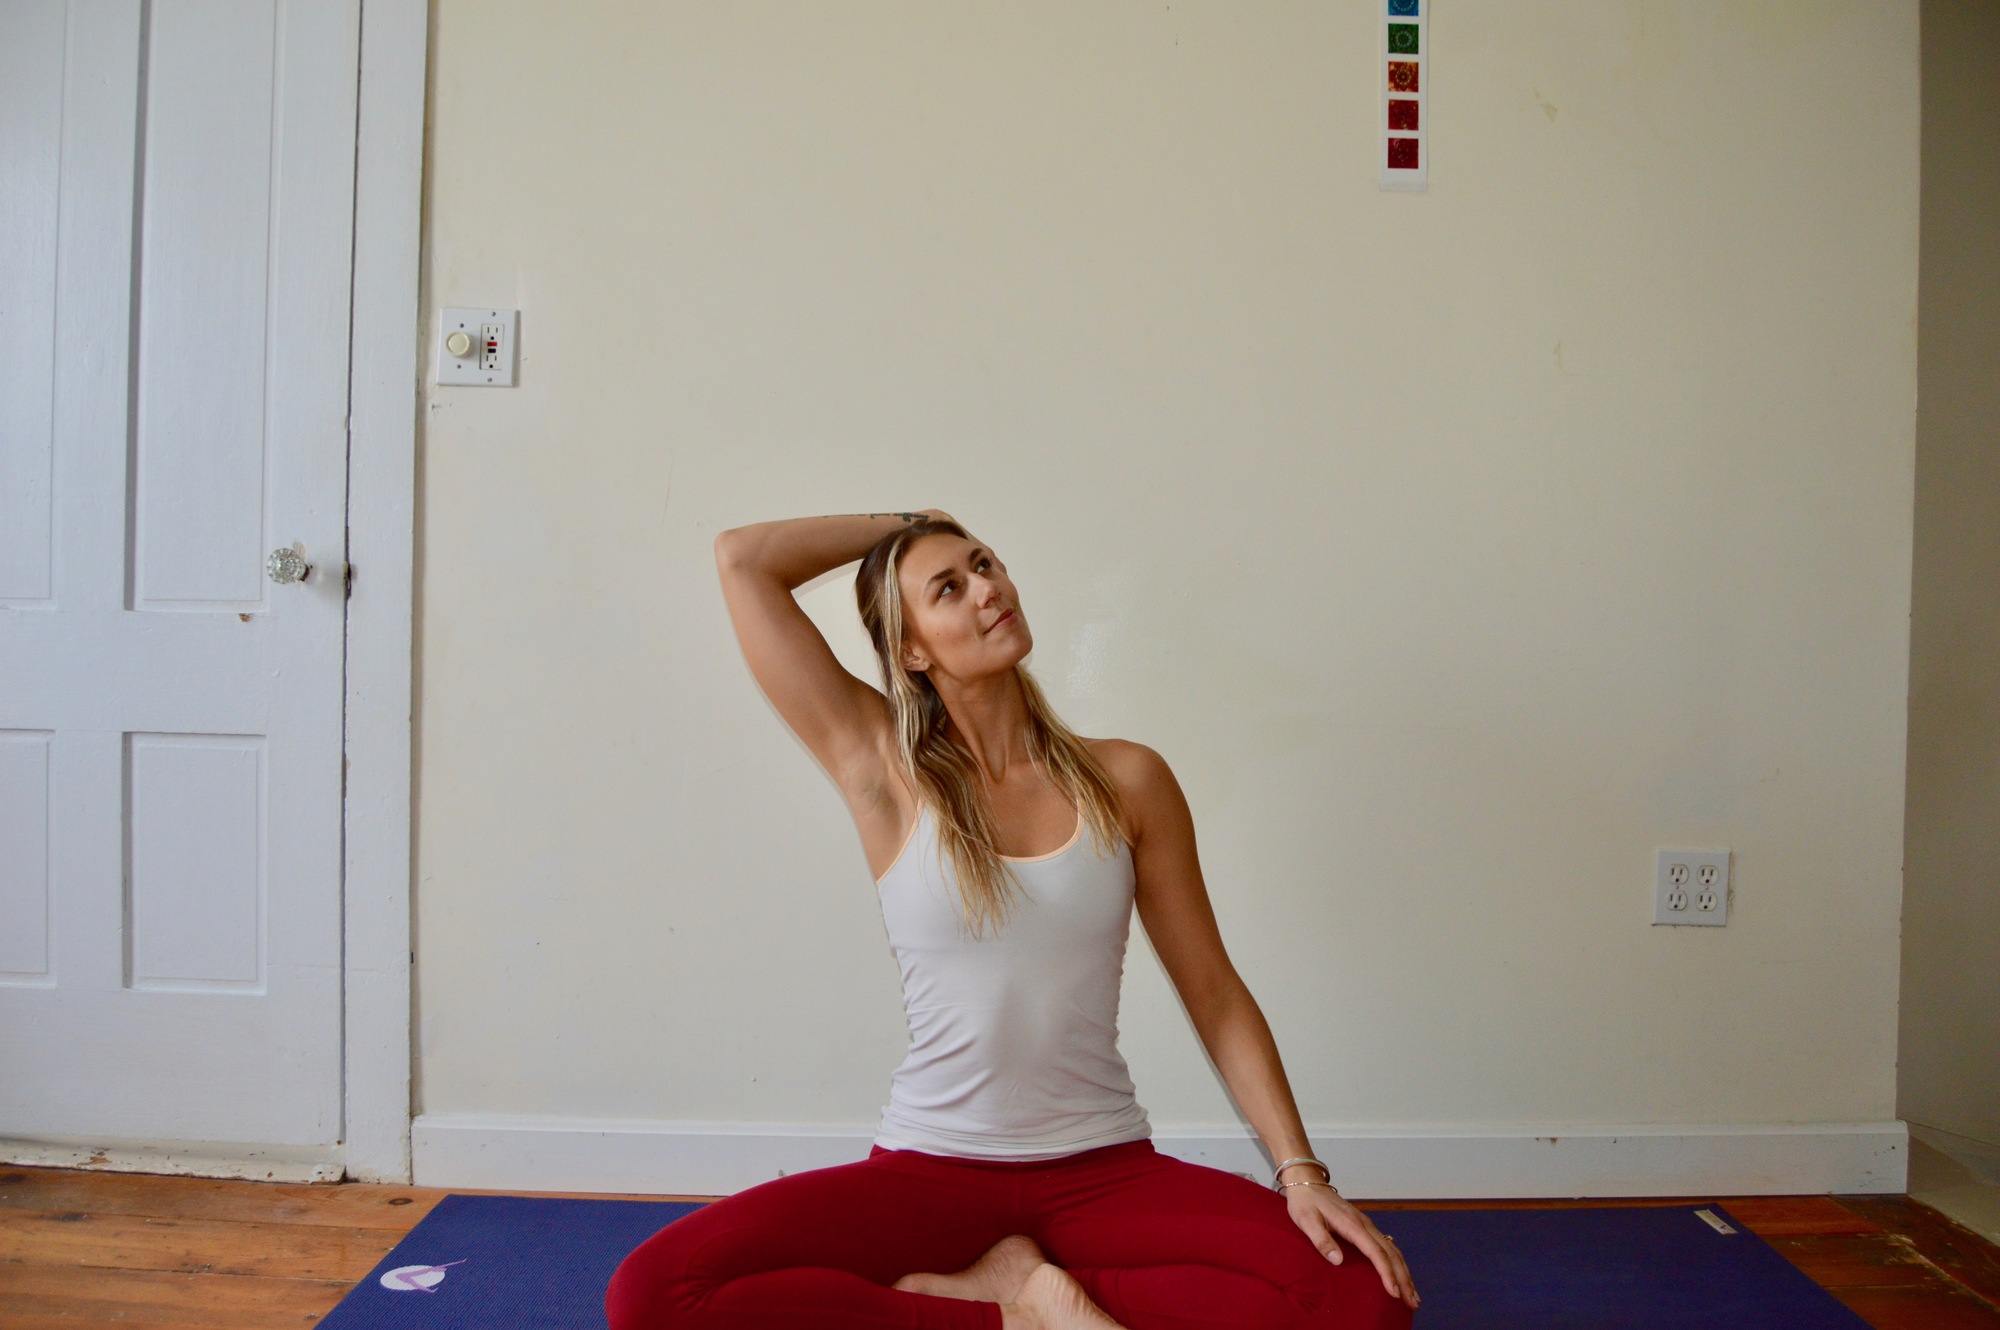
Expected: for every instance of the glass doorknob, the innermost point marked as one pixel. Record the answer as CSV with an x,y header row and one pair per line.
x,y
287,566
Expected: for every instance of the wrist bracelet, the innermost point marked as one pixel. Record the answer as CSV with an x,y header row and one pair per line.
x,y
1303,1159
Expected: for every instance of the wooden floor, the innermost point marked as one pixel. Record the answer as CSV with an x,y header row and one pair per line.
x,y
86,1248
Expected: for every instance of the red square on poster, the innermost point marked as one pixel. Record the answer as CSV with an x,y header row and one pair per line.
x,y
1403,154
1403,112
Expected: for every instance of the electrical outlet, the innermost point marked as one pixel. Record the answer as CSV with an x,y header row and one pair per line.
x,y
1691,887
476,346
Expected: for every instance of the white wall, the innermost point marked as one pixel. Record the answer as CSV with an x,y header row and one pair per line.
x,y
1457,549
1950,1036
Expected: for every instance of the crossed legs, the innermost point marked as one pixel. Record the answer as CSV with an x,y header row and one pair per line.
x,y
829,1241
1123,1237
1165,1244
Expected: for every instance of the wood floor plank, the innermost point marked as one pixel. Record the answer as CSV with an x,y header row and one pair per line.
x,y
79,1240
1876,1260
39,1297
1897,1309
339,1205
1956,1250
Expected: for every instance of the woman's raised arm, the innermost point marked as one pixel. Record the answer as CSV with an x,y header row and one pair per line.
x,y
839,717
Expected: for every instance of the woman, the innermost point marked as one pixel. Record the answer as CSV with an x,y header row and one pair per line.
x,y
1013,1184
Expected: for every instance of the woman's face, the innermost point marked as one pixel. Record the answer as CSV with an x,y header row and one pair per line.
x,y
961,613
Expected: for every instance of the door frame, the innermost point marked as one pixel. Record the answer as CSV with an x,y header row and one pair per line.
x,y
378,731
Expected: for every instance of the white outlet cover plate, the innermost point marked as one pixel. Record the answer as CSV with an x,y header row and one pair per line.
x,y
475,321
1691,894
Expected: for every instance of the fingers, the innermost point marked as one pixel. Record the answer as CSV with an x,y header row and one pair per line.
x,y
1404,1286
1389,1263
1380,1256
1374,1249
1372,1243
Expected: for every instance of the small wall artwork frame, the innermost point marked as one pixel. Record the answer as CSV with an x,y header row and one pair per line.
x,y
1403,72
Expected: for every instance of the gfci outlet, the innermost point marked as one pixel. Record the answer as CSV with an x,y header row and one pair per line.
x,y
476,346
1691,887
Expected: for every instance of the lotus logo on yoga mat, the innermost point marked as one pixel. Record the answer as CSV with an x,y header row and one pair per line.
x,y
417,1278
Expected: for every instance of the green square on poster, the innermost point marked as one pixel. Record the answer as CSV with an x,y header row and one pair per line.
x,y
1403,39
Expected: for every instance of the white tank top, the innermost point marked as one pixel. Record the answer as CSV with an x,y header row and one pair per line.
x,y
1013,1036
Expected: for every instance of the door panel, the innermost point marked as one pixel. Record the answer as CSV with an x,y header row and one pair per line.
x,y
176,209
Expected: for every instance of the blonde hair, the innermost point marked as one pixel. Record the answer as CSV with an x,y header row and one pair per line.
x,y
942,773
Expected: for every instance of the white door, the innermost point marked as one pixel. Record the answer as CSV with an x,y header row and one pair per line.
x,y
176,208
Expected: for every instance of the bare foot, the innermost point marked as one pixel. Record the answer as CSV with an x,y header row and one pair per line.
x,y
995,1277
1051,1299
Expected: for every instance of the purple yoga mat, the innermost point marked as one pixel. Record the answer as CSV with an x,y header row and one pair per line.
x,y
514,1262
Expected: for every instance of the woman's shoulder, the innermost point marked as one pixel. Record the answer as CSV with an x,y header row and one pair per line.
x,y
1133,767
1127,752
1108,751
1136,770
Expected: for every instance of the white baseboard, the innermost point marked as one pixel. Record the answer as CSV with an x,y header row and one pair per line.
x,y
194,1159
492,1152
1981,1158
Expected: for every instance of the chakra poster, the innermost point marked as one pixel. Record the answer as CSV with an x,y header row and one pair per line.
x,y
1403,73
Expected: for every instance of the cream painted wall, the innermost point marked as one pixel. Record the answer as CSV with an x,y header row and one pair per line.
x,y
1457,549
1950,1070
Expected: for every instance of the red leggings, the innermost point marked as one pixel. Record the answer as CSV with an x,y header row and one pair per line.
x,y
1156,1241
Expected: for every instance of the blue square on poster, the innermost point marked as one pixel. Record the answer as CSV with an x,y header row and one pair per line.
x,y
1403,8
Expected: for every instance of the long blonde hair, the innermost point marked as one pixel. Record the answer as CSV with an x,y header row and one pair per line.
x,y
943,774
